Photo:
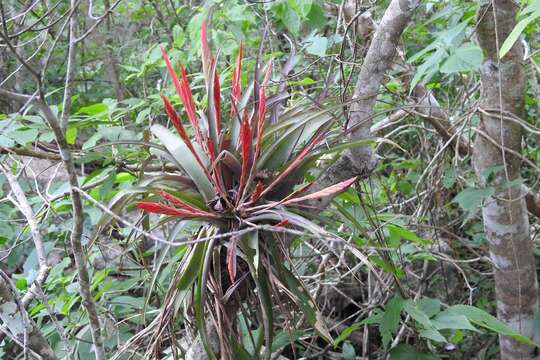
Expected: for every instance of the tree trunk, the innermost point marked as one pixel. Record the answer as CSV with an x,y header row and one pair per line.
x,y
506,222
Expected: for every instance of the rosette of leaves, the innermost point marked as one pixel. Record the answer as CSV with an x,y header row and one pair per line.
x,y
238,173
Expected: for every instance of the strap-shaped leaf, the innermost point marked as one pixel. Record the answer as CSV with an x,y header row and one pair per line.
x,y
279,149
185,159
331,190
191,269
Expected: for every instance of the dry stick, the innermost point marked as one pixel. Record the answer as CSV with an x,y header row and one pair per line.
x,y
21,202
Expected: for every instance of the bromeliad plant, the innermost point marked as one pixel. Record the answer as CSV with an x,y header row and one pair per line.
x,y
240,173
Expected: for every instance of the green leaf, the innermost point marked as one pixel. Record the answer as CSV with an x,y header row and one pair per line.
x,y
94,109
390,319
514,35
304,81
24,137
6,141
71,135
467,57
450,320
348,352
284,338
416,313
185,159
432,334
21,284
429,307
397,233
317,45
291,20
191,270
107,186
471,198
481,318
316,17
449,178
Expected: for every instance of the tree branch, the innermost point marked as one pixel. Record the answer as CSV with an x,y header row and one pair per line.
x,y
21,202
361,161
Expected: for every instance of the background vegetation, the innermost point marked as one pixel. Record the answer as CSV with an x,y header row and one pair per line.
x,y
398,265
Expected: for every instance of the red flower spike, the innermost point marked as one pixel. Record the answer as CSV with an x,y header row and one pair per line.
x,y
182,204
175,119
245,138
158,208
262,100
260,122
172,74
231,260
180,129
184,93
187,100
236,90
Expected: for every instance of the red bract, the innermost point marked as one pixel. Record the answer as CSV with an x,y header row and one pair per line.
x,y
159,208
236,90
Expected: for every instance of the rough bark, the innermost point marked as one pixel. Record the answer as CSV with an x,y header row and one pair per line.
x,y
361,161
505,217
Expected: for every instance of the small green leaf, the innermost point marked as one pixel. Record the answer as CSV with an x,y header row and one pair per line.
x,y
24,137
514,35
467,57
450,320
94,109
471,198
304,81
416,313
21,284
432,334
317,45
71,135
390,319
348,352
429,307
376,318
